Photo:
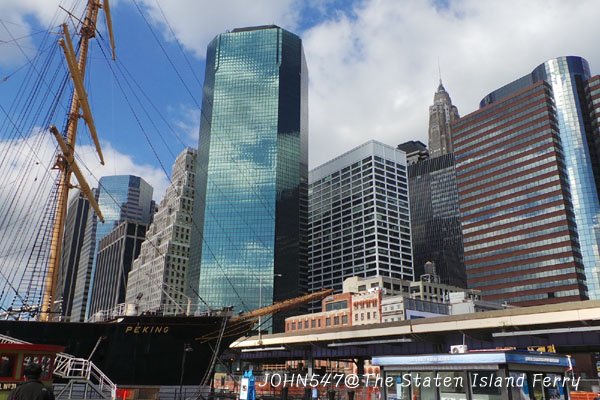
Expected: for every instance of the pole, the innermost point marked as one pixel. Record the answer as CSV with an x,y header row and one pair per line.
x,y
87,31
182,371
186,349
260,306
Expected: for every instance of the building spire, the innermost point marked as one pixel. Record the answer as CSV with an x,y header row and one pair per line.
x,y
441,115
441,86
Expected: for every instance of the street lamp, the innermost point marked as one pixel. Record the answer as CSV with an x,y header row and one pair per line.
x,y
260,305
186,349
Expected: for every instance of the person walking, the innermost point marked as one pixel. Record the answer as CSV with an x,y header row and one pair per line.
x,y
32,388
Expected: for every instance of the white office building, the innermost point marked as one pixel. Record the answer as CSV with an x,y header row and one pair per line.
x,y
359,222
157,280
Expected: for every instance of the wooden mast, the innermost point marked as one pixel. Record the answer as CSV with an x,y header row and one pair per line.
x,y
65,161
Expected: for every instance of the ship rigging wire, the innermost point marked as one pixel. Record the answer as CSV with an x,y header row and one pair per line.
x,y
121,73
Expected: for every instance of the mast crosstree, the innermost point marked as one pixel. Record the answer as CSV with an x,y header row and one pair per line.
x,y
65,162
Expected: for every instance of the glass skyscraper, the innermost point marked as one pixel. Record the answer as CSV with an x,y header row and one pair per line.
x,y
528,171
249,239
120,198
75,226
435,219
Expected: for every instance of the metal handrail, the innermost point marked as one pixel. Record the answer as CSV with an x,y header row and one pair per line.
x,y
69,367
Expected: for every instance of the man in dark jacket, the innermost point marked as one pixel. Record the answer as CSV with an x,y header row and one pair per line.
x,y
32,388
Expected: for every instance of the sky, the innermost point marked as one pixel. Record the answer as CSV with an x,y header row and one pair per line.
x,y
374,65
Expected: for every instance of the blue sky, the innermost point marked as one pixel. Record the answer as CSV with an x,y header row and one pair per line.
x,y
373,65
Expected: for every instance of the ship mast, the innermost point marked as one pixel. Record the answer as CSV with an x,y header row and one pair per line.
x,y
65,162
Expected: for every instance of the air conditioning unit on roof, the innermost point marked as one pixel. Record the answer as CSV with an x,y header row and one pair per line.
x,y
458,349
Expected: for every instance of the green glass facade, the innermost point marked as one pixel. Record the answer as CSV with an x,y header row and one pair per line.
x,y
250,214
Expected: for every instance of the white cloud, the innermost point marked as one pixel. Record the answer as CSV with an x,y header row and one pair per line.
x,y
373,74
374,68
37,153
196,23
16,41
25,187
187,121
117,163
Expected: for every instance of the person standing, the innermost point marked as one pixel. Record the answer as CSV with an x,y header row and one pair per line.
x,y
32,388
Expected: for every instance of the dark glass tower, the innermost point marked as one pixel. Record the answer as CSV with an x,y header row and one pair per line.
x,y
250,214
75,226
435,219
116,252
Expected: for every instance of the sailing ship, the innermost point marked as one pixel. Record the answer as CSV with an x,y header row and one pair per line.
x,y
129,349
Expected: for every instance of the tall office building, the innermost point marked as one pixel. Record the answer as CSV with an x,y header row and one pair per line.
x,y
120,198
528,196
250,222
116,252
435,219
75,225
441,115
359,217
157,279
81,289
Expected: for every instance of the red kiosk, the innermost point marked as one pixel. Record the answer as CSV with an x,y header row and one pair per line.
x,y
14,357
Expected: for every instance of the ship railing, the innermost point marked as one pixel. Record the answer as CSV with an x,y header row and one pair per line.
x,y
69,367
11,340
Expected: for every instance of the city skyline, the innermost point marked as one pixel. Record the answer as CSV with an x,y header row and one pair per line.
x,y
389,105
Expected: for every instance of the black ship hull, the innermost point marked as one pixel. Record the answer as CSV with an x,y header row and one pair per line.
x,y
140,350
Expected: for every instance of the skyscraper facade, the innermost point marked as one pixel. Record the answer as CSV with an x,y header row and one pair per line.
x,y
359,217
527,188
75,225
250,223
81,289
116,252
441,115
157,280
120,198
435,219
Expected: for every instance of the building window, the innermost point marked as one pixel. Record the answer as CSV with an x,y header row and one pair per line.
x,y
306,324
344,320
327,321
356,317
319,323
293,326
368,315
336,320
313,323
338,305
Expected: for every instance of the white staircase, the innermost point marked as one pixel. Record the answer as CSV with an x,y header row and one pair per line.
x,y
84,379
81,372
